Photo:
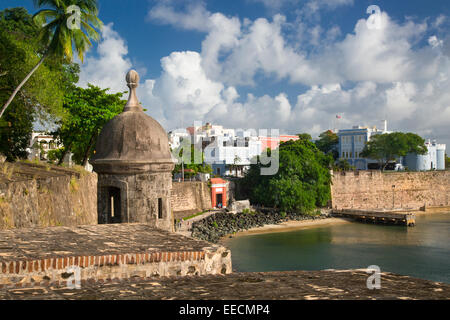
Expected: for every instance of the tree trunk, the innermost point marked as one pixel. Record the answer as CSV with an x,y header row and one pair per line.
x,y
11,98
66,150
88,150
385,165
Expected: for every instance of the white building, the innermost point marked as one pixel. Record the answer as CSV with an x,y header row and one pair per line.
x,y
40,144
176,137
434,159
232,155
227,150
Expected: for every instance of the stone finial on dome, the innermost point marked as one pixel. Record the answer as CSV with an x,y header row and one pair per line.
x,y
132,83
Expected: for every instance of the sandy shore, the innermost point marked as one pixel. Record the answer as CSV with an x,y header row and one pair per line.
x,y
291,226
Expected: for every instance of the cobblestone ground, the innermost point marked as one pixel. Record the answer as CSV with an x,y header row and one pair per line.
x,y
298,285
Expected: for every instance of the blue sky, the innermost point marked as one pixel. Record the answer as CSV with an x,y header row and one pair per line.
x,y
289,64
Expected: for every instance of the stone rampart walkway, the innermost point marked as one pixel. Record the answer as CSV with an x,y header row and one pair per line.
x,y
298,285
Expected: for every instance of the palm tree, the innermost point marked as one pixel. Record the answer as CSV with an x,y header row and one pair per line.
x,y
237,159
58,38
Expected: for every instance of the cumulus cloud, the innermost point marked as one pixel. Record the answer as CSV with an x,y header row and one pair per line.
x,y
313,5
164,13
399,72
108,68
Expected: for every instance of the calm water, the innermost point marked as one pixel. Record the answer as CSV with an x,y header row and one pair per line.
x,y
421,252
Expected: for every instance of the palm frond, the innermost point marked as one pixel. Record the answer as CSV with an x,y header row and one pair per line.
x,y
41,17
57,37
91,32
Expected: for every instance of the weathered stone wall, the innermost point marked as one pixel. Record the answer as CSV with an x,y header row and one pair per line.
x,y
375,190
190,197
48,197
139,197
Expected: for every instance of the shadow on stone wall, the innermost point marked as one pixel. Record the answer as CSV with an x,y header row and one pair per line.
x,y
40,195
188,198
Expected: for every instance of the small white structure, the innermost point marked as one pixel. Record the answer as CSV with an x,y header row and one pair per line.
x,y
433,160
40,144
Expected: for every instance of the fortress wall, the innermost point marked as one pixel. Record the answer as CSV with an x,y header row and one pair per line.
x,y
379,190
190,197
47,198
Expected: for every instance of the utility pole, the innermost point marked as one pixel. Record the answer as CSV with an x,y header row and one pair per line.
x,y
393,196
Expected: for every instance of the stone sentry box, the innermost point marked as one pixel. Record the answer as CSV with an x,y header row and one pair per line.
x,y
134,167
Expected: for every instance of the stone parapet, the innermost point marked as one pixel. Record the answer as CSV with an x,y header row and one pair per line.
x,y
65,256
40,195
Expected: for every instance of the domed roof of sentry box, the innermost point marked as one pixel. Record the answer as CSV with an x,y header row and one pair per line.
x,y
132,141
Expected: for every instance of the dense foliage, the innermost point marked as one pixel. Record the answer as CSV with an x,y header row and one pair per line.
x,y
342,165
41,97
301,184
190,159
328,143
88,110
388,147
51,38
59,40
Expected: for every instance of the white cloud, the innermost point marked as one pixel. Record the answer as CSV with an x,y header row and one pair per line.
x,y
197,15
435,42
310,5
366,76
109,68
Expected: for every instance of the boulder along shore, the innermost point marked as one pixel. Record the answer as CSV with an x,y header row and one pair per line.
x,y
223,224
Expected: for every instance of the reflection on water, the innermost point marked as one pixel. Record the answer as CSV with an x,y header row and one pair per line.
x,y
422,251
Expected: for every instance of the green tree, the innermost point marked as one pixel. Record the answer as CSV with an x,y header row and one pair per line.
x,y
343,165
235,165
15,131
305,136
57,39
41,96
192,158
388,147
301,184
328,142
447,162
88,110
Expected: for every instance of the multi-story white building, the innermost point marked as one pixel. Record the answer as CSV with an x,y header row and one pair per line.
x,y
176,138
228,151
232,155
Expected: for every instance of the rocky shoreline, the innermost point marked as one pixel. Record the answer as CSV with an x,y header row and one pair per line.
x,y
221,224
